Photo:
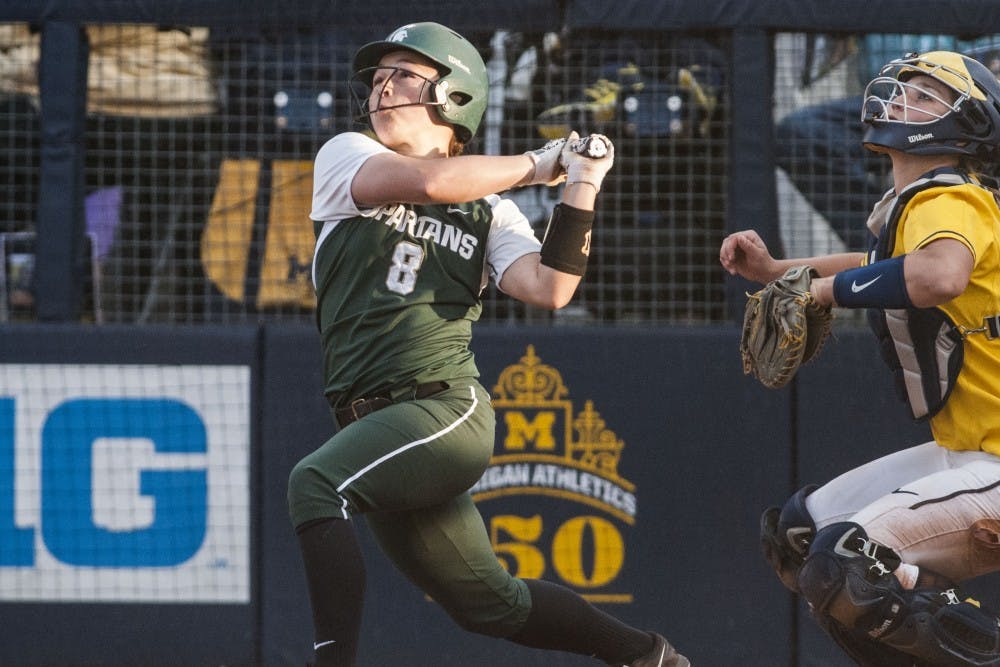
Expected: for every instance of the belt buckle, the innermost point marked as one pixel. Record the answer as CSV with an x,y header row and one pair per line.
x,y
360,407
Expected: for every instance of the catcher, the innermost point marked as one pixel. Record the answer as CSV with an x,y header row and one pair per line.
x,y
880,551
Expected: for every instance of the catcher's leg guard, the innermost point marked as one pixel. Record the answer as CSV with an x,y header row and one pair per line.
x,y
864,650
785,535
848,578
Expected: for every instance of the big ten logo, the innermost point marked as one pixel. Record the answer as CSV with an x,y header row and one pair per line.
x,y
562,465
124,483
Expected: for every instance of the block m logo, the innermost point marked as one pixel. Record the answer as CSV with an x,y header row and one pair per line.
x,y
535,427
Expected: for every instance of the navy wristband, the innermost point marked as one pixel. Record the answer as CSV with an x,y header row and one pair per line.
x,y
878,285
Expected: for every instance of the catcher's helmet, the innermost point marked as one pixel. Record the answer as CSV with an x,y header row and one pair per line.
x,y
460,93
970,125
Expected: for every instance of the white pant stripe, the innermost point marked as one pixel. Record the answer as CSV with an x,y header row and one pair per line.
x,y
415,443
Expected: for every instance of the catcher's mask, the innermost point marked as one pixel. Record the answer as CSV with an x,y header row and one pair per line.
x,y
459,93
969,124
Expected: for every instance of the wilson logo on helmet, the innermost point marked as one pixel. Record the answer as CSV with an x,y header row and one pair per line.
x,y
458,63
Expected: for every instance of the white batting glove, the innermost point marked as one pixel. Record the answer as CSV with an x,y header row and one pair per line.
x,y
547,168
587,159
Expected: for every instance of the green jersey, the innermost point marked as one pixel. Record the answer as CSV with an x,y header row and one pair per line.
x,y
399,286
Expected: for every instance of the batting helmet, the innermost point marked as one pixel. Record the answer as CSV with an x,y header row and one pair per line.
x,y
460,93
970,125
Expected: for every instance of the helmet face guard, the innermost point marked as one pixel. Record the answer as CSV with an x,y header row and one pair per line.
x,y
461,90
968,122
888,93
362,87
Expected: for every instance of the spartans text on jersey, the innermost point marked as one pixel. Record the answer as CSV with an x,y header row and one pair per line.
x,y
425,227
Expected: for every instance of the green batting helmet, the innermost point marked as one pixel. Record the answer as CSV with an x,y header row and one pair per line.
x,y
461,90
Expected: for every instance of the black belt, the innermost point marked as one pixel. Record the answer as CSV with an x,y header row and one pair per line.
x,y
360,407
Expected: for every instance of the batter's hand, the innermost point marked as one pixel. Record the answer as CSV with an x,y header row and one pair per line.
x,y
746,254
587,159
546,167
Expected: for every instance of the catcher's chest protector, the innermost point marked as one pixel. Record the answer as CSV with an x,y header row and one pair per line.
x,y
924,350
922,346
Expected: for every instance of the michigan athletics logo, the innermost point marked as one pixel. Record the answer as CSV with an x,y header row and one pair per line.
x,y
552,498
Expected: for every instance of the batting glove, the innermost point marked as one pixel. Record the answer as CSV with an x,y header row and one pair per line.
x,y
587,159
547,168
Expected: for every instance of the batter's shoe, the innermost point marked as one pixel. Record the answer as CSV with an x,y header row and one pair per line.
x,y
662,655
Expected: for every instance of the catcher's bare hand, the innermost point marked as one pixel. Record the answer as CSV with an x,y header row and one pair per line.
x,y
822,291
746,254
546,166
587,159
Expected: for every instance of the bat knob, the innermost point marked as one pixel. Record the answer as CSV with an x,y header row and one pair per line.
x,y
595,147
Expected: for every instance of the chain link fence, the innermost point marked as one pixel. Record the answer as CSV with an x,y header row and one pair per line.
x,y
199,149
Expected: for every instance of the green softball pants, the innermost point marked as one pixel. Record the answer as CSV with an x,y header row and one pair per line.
x,y
408,468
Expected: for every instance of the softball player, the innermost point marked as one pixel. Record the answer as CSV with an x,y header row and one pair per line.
x,y
408,232
879,551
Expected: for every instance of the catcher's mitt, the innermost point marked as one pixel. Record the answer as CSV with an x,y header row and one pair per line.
x,y
783,327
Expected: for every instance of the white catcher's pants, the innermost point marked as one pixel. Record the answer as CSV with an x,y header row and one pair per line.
x,y
937,508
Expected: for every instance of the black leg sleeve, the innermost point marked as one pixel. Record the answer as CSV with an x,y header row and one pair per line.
x,y
335,574
561,620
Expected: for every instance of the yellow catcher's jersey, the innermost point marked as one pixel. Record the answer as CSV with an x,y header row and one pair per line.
x,y
969,214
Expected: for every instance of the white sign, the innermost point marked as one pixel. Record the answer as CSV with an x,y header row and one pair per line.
x,y
124,483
